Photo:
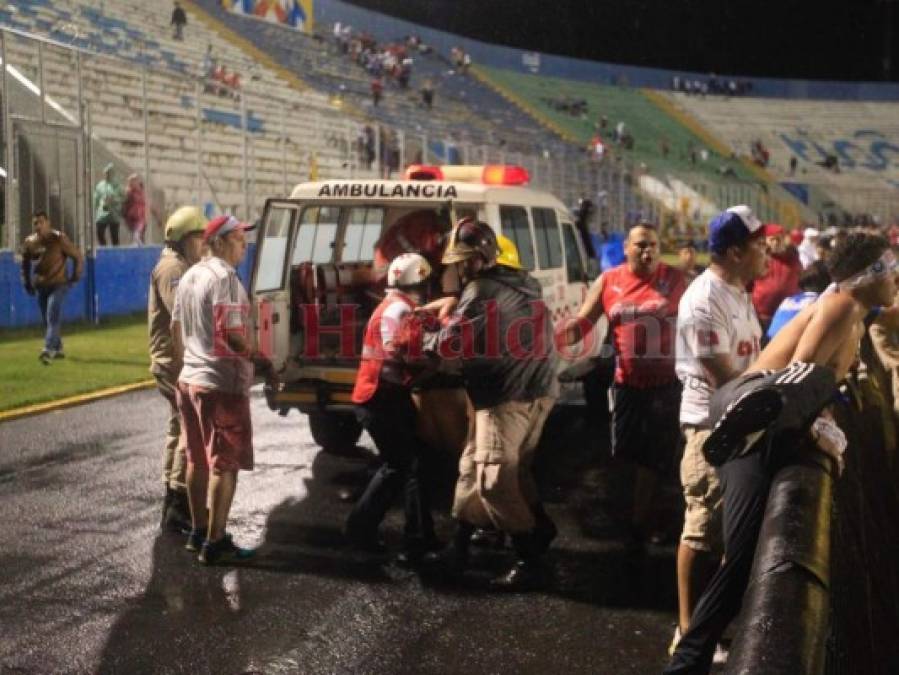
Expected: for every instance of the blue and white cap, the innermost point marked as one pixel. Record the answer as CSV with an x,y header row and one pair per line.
x,y
733,227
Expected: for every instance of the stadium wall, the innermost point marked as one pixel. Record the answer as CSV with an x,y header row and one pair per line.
x,y
115,283
329,11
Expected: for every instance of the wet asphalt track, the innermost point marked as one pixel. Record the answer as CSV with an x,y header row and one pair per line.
x,y
88,584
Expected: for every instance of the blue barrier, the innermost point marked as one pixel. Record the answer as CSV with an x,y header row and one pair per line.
x,y
329,11
115,282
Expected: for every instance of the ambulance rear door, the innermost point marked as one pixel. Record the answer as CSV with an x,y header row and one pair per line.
x,y
269,288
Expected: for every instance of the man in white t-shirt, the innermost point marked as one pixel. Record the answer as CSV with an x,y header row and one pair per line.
x,y
718,336
210,323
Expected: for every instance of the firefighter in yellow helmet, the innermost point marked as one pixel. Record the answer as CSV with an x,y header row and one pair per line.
x,y
508,253
183,248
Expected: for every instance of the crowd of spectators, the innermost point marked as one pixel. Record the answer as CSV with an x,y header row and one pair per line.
x,y
217,79
384,63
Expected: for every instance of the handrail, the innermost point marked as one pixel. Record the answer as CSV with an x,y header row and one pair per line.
x,y
786,607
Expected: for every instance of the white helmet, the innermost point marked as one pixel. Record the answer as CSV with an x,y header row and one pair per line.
x,y
407,269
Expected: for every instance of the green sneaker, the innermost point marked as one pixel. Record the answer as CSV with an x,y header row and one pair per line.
x,y
224,552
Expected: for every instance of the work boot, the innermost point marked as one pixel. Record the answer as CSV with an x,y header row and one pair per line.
x,y
545,531
527,573
488,537
175,512
453,560
415,549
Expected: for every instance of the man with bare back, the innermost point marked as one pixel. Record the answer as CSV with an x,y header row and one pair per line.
x,y
762,415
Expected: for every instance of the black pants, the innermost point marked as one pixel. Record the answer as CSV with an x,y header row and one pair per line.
x,y
745,483
113,226
390,418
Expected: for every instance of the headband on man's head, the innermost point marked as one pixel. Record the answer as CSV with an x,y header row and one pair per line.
x,y
881,268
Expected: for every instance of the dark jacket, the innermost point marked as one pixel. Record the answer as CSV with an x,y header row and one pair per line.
x,y
503,333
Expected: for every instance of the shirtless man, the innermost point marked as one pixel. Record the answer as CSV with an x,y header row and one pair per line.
x,y
825,334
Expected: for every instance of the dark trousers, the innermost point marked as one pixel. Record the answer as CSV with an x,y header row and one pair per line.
x,y
745,483
390,418
113,226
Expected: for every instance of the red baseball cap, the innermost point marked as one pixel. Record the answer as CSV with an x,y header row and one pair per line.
x,y
219,227
772,229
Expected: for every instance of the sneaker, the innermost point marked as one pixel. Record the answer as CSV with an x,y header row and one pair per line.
x,y
44,357
195,540
224,552
674,641
718,659
58,354
721,655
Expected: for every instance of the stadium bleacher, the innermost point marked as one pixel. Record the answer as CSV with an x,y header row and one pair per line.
x,y
139,32
863,137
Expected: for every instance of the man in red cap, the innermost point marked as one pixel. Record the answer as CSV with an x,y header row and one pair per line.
x,y
782,278
210,326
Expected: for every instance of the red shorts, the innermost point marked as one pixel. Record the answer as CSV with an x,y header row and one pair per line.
x,y
216,428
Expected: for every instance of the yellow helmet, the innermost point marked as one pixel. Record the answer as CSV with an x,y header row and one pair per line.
x,y
182,222
508,253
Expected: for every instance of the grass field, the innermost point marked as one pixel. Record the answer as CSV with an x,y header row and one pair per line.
x,y
97,356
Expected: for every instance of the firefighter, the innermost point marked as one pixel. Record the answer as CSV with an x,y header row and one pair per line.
x,y
384,406
510,378
183,247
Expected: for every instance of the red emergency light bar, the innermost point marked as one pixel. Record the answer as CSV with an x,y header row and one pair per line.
x,y
489,174
423,172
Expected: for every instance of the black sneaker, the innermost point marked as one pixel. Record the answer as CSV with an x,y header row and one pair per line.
x,y
44,357
195,540
176,512
58,354
224,552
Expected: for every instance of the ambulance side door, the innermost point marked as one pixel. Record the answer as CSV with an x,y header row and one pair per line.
x,y
269,290
578,281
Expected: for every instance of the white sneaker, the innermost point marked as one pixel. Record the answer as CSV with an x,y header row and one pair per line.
x,y
720,656
674,641
718,659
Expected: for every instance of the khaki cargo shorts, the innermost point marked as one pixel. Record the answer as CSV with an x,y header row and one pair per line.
x,y
702,493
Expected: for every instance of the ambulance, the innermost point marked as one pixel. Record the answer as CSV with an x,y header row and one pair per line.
x,y
321,261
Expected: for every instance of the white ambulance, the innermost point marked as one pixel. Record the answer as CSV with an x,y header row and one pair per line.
x,y
321,256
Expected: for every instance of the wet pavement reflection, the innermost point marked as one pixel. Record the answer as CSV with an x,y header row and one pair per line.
x,y
89,584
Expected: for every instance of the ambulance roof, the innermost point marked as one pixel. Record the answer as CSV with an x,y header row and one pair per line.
x,y
386,191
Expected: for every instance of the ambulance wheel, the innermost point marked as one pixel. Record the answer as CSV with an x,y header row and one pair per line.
x,y
335,432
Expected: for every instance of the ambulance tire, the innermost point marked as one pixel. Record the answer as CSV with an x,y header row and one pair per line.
x,y
335,432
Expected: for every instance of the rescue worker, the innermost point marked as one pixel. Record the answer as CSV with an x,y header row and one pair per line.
x,y
640,297
384,406
183,247
510,378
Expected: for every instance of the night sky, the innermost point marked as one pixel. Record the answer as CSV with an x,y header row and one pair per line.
x,y
788,38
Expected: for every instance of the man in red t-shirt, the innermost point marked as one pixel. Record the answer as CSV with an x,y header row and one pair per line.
x,y
782,278
640,298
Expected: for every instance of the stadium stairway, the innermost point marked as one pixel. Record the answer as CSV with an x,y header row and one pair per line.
x,y
465,110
